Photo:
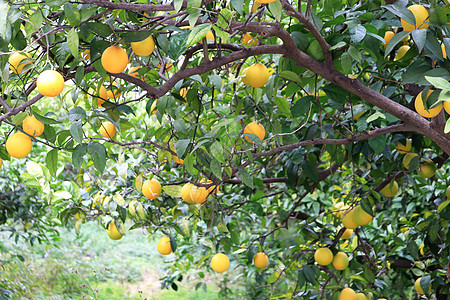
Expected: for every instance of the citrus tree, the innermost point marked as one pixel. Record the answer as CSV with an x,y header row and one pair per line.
x,y
299,147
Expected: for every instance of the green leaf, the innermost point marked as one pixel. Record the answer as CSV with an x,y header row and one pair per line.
x,y
413,249
52,161
439,82
217,152
442,206
197,34
238,5
283,107
173,190
98,154
276,9
358,33
224,18
72,14
394,41
216,168
72,42
378,143
425,283
180,125
401,11
337,46
76,131
17,119
135,36
300,40
76,113
447,126
35,22
180,147
77,155
302,106
419,37
310,170
289,75
102,30
433,230
245,177
178,4
309,274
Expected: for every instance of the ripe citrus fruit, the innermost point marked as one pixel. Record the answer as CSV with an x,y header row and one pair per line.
x,y
347,234
108,130
186,193
134,71
419,288
249,40
340,261
18,145
33,126
388,35
50,83
220,263
144,47
151,189
179,161
86,54
211,189
361,296
153,107
404,147
164,247
112,231
265,1
347,294
444,53
15,60
402,51
420,108
261,260
198,194
323,256
1,163
420,14
390,191
256,129
114,59
447,106
426,169
167,67
361,217
102,96
256,75
184,91
349,220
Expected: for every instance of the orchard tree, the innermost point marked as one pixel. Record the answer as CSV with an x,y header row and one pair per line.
x,y
299,147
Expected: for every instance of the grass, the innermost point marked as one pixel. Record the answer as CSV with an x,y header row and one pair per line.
x,y
90,265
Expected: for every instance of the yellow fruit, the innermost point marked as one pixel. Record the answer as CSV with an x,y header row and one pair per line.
x,y
18,145
407,159
323,256
33,126
145,47
347,294
153,107
198,194
256,129
1,163
184,91
389,191
256,75
347,234
114,59
404,147
426,170
15,60
444,53
420,108
114,92
102,96
420,14
211,189
108,130
447,106
112,231
361,217
249,40
349,220
418,288
255,7
244,76
340,261
186,192
151,189
168,66
178,160
361,296
265,1
86,54
339,209
210,36
50,83
388,35
261,260
402,51
220,263
164,247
